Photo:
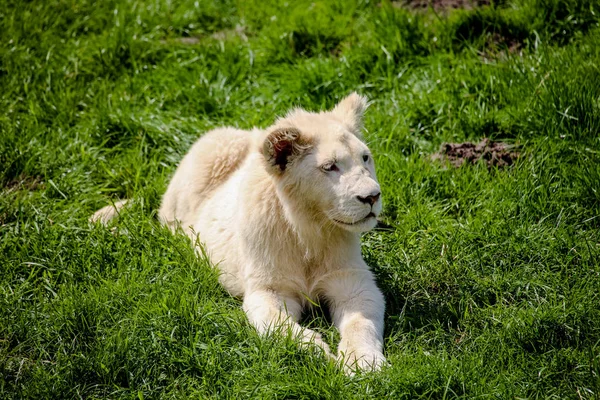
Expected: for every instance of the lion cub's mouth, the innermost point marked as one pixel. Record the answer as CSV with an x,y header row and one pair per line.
x,y
360,221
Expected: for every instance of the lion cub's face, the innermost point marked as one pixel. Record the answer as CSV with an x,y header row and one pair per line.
x,y
321,161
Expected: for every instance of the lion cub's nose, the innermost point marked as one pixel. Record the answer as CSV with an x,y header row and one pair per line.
x,y
369,199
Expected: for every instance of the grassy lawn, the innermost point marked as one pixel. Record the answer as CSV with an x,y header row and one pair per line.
x,y
491,275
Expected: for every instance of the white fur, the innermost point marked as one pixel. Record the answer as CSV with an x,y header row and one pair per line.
x,y
283,230
105,214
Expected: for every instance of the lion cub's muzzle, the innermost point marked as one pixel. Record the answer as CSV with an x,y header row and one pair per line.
x,y
360,211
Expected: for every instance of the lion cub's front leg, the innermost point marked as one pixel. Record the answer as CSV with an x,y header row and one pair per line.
x,y
268,312
357,307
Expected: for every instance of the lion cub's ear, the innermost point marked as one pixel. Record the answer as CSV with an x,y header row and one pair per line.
x,y
351,110
282,146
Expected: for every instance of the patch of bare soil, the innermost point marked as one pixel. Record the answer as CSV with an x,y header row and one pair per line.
x,y
24,182
495,154
499,47
441,4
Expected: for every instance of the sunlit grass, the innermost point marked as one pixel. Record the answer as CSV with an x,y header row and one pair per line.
x,y
492,277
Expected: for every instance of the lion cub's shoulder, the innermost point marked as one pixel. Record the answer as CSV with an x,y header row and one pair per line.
x,y
209,163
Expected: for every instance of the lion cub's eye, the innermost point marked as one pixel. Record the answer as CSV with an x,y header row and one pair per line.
x,y
366,158
330,167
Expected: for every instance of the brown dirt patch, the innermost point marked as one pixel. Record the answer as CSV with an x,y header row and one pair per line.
x,y
441,4
498,47
495,154
24,182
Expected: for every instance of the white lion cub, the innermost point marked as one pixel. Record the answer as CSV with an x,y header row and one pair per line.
x,y
280,211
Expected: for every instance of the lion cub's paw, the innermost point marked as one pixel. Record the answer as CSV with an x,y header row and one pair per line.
x,y
365,361
313,339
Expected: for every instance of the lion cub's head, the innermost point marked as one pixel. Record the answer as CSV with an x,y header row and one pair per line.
x,y
323,167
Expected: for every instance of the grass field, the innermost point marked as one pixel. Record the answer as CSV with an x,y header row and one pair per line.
x,y
492,276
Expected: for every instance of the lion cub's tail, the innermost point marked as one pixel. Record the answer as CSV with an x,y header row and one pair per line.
x,y
106,214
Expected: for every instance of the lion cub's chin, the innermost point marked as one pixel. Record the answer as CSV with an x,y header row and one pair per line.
x,y
363,225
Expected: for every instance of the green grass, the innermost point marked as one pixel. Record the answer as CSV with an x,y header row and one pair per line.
x,y
492,277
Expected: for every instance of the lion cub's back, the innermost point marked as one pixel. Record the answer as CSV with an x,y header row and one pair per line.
x,y
207,165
